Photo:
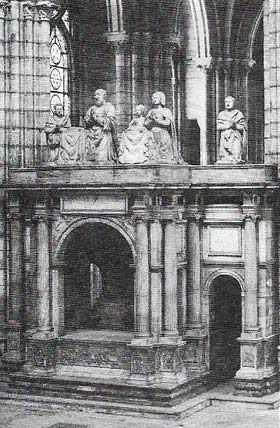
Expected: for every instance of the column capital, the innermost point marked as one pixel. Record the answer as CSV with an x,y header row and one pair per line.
x,y
247,65
194,213
118,40
251,216
5,7
47,9
204,63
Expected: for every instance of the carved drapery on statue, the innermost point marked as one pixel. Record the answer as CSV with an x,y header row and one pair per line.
x,y
65,143
160,122
101,135
232,128
136,140
151,139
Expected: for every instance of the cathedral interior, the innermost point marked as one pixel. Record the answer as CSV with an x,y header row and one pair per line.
x,y
139,230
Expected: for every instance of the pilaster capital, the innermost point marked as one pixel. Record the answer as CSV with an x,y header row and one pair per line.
x,y
5,7
194,213
28,10
47,9
251,216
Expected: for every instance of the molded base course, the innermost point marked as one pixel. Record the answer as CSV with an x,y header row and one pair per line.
x,y
177,412
107,390
256,387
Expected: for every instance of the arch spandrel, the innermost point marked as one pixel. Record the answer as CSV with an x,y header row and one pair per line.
x,y
64,227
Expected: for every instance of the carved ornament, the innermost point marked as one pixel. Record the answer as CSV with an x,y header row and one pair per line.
x,y
28,10
47,10
5,6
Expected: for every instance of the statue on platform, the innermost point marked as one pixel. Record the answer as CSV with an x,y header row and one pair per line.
x,y
64,142
232,127
101,135
136,140
160,122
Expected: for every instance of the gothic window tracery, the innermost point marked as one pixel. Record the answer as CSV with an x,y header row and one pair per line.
x,y
59,68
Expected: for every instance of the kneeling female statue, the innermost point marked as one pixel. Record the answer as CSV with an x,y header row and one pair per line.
x,y
136,139
160,122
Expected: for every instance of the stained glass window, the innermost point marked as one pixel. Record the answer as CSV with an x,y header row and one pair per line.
x,y
59,71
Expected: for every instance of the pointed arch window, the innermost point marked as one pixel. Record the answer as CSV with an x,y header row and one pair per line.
x,y
59,69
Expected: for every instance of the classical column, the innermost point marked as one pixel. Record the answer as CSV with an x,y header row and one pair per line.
x,y
30,246
14,353
251,272
170,280
156,277
43,271
182,272
194,268
142,280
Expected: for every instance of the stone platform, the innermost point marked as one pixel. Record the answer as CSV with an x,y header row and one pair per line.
x,y
114,389
220,395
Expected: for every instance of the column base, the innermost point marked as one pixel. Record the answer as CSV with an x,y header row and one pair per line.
x,y
256,387
158,362
258,374
41,352
13,359
143,362
195,355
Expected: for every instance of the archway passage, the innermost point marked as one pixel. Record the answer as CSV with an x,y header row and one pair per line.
x,y
98,280
225,327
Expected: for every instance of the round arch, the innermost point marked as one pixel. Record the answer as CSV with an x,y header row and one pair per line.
x,y
67,233
223,272
225,304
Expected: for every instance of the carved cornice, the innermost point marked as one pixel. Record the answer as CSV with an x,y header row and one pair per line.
x,y
5,7
47,10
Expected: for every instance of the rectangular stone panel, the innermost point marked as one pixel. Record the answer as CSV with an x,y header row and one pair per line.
x,y
93,204
224,240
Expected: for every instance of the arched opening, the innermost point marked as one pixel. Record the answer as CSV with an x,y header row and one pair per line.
x,y
225,326
98,280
